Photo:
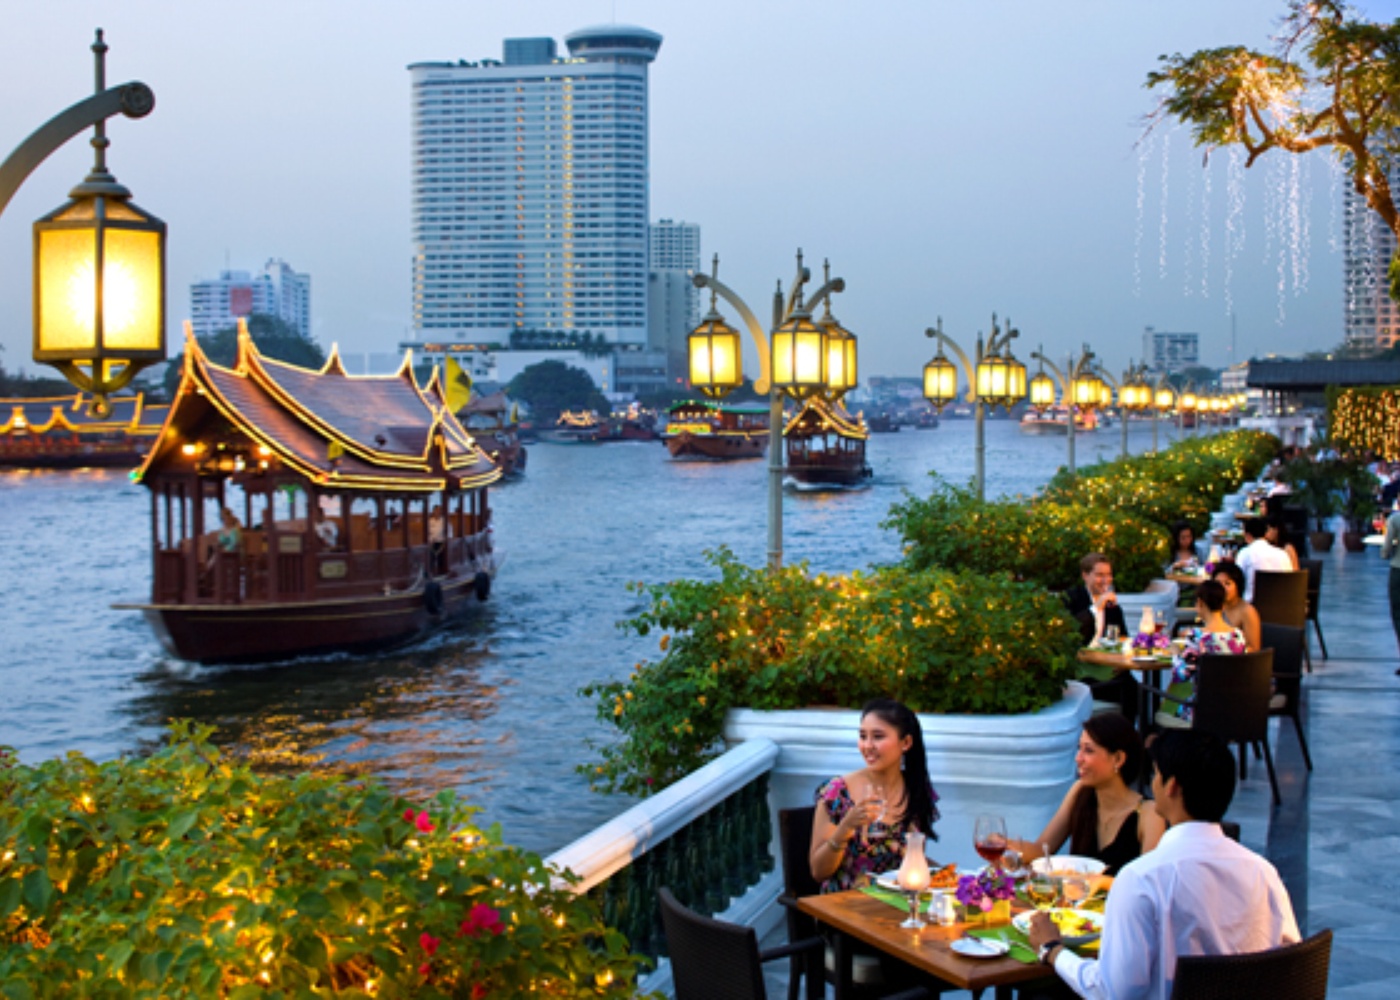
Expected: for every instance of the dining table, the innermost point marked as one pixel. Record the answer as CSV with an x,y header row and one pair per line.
x,y
858,916
1151,667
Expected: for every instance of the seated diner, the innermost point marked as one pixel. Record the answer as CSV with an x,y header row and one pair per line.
x,y
1102,816
1094,604
1215,636
1186,549
1237,611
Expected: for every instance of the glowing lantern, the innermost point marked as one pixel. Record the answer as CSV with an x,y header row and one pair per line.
x,y
1042,391
800,355
716,357
841,367
1164,399
940,380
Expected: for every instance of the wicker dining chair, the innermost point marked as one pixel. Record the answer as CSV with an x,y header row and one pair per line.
x,y
715,960
1293,972
1314,570
1286,702
1282,599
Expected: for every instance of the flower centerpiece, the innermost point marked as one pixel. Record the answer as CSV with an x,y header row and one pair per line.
x,y
987,895
1150,643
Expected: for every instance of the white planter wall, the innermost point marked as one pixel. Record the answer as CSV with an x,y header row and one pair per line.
x,y
1160,595
1017,766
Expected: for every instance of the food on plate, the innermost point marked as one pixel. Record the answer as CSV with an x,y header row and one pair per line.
x,y
1072,924
944,878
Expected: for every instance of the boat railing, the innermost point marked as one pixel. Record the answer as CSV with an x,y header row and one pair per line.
x,y
710,838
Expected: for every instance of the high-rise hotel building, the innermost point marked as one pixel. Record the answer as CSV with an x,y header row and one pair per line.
x,y
530,177
1371,315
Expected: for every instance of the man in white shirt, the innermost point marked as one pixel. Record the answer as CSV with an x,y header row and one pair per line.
x,y
1259,554
1197,893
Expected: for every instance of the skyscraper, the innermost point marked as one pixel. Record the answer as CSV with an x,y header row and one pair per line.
x,y
1371,317
673,301
530,200
219,303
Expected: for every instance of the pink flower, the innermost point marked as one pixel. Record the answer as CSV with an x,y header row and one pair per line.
x,y
481,918
425,970
429,943
424,824
408,815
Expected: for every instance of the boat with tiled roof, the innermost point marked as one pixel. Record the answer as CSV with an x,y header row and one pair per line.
x,y
297,512
825,446
699,430
61,432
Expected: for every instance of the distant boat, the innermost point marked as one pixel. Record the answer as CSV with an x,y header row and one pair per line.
x,y
882,423
582,427
700,431
1055,420
487,419
825,446
925,419
60,433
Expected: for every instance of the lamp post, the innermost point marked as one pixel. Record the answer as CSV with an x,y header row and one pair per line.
x,y
1078,387
1134,395
1163,399
997,379
799,359
99,260
1185,400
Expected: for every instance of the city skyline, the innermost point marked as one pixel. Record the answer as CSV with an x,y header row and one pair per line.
x,y
950,162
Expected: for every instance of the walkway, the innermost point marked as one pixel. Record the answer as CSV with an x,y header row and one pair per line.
x,y
1336,837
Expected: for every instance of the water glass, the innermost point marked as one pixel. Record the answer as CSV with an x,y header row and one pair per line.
x,y
1111,635
875,795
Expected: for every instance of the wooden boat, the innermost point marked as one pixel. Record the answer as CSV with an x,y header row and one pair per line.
x,y
882,423
701,431
583,427
60,433
1055,420
489,421
825,446
364,502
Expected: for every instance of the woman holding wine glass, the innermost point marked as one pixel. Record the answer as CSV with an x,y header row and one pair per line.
x,y
861,818
1102,816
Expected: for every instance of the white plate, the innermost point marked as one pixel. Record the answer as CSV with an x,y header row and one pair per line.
x,y
1076,862
982,948
1022,922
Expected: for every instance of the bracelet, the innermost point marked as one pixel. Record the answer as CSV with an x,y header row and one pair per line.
x,y
835,845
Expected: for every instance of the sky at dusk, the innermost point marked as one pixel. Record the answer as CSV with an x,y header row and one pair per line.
x,y
951,159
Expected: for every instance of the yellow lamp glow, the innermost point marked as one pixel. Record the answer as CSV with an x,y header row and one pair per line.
x,y
1187,400
1105,393
800,356
99,281
841,367
1016,380
1164,399
716,357
994,380
940,381
1042,391
1086,392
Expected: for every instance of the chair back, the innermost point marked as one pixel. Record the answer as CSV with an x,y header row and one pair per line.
x,y
1294,972
1232,695
1282,598
795,838
1313,567
710,959
1287,646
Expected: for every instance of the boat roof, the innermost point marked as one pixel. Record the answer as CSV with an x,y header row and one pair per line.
x,y
819,415
339,431
130,415
754,409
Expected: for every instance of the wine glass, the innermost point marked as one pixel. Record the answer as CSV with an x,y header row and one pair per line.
x,y
875,795
1040,887
989,838
1074,890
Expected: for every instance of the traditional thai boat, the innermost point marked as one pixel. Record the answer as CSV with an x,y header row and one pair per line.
x,y
701,431
1055,420
297,512
61,433
583,427
492,425
825,446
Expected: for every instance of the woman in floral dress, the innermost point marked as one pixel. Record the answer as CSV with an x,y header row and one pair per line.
x,y
1214,636
861,819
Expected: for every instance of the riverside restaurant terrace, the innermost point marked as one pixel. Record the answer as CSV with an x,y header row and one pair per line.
x,y
1324,837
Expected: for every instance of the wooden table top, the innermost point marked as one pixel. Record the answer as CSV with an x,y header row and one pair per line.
x,y
867,919
1120,661
1188,579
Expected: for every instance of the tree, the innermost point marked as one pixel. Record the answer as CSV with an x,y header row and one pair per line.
x,y
551,387
1334,82
275,338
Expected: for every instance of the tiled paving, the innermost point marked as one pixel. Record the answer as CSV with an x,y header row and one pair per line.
x,y
1336,836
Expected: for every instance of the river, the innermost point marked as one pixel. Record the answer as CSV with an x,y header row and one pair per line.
x,y
492,707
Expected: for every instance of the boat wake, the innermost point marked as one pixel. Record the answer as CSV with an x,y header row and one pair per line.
x,y
799,487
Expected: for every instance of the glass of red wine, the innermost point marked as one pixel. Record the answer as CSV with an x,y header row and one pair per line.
x,y
989,837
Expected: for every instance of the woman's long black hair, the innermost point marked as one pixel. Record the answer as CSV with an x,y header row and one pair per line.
x,y
918,790
1114,733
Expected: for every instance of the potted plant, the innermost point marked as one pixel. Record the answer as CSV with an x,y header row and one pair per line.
x,y
1359,505
1317,486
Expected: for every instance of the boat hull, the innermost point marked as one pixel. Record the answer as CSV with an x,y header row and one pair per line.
x,y
268,632
716,447
843,474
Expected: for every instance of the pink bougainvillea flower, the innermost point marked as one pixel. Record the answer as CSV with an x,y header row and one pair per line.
x,y
408,815
429,943
478,991
424,823
481,918
425,970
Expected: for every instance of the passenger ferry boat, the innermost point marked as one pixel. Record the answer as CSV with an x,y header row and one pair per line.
x,y
1055,420
360,503
825,446
701,431
493,426
582,427
60,432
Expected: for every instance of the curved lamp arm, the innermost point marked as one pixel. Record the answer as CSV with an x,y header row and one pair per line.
x,y
765,378
1059,375
134,99
943,339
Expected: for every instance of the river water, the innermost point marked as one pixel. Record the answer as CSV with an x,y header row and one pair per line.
x,y
491,708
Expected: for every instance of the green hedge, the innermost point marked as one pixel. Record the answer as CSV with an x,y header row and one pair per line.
x,y
937,640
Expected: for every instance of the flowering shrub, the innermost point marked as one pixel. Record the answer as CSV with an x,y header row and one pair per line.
x,y
937,640
985,889
185,874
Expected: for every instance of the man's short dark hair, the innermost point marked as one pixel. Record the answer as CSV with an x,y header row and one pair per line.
x,y
1091,562
1256,527
1204,770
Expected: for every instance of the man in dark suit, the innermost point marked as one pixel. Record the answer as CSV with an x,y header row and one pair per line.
x,y
1095,606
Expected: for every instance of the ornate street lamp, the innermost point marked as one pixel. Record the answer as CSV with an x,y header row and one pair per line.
x,y
1077,382
798,363
99,260
1042,391
1163,401
996,379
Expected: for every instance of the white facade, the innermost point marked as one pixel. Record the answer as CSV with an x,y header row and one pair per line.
x,y
675,246
1371,317
530,190
1171,352
275,291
